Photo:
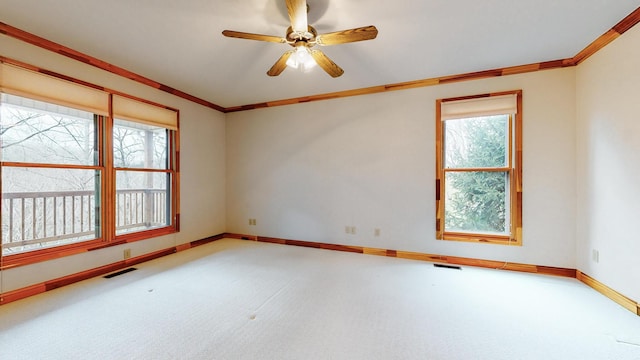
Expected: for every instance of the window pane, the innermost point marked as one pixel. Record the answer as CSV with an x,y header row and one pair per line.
x,y
137,145
38,132
142,201
477,142
44,207
477,201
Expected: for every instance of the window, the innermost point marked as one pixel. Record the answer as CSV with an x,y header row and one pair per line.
x,y
81,167
479,168
50,175
143,178
144,157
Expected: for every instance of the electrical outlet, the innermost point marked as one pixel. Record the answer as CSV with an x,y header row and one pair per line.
x,y
595,255
126,253
347,229
376,232
252,222
353,230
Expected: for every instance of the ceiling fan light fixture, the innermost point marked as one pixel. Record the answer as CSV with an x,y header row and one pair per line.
x,y
301,59
302,37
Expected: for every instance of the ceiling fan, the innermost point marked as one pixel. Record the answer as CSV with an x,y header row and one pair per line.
x,y
302,37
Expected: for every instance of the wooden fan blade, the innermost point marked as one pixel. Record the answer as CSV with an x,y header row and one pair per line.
x,y
280,65
249,36
326,64
347,36
297,10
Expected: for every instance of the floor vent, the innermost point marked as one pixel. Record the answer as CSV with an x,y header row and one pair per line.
x,y
119,273
447,266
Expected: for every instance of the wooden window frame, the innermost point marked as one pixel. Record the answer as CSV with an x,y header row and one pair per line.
x,y
514,170
104,131
172,162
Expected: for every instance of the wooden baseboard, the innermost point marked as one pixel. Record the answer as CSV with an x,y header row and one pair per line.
x,y
617,297
14,295
35,289
492,264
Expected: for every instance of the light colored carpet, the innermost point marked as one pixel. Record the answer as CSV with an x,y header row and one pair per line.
x,y
237,299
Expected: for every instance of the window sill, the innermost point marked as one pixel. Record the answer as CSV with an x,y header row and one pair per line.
x,y
36,256
481,238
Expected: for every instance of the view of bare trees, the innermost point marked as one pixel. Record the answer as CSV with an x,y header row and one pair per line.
x,y
51,181
137,147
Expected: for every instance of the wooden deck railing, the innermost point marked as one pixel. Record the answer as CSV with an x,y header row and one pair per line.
x,y
33,220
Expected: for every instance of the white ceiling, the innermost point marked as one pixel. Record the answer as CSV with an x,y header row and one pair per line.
x,y
179,42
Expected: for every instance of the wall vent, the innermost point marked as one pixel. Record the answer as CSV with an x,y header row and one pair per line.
x,y
447,266
119,273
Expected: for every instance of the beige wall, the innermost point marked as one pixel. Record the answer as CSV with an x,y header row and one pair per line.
x,y
608,164
306,171
202,133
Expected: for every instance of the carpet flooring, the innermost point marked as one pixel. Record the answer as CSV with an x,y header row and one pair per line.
x,y
235,299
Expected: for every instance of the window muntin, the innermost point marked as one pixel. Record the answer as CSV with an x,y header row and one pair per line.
x,y
478,165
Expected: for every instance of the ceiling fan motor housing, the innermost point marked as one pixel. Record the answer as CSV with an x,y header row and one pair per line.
x,y
308,36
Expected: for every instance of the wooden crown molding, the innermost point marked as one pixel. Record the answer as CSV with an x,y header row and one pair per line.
x,y
6,60
90,60
512,70
620,28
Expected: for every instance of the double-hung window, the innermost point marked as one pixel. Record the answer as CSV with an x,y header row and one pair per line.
x,y
144,163
81,167
51,174
479,168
